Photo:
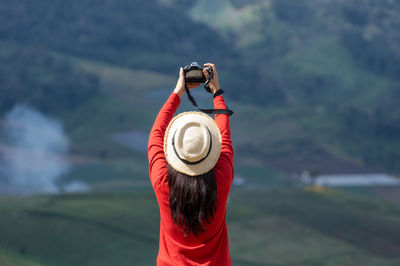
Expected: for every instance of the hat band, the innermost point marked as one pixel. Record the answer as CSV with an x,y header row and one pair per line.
x,y
186,161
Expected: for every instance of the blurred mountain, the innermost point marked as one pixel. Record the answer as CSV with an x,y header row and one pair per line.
x,y
312,52
319,79
338,58
138,34
144,35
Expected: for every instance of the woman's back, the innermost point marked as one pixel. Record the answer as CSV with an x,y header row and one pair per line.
x,y
209,247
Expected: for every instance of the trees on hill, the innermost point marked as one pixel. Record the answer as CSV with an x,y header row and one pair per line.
x,y
34,76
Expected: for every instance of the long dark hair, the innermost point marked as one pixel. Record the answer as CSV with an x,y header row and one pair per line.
x,y
192,199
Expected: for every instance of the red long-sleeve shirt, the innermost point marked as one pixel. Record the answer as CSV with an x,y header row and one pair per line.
x,y
209,247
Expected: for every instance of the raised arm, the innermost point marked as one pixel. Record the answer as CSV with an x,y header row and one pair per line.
x,y
225,162
222,121
157,161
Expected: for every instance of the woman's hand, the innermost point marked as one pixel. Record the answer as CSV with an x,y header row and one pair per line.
x,y
214,84
180,84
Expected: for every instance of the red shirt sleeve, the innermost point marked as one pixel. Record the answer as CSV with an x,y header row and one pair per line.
x,y
157,161
225,162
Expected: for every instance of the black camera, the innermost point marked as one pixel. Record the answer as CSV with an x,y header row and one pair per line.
x,y
194,73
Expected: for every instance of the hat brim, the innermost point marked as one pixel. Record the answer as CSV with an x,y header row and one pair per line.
x,y
209,162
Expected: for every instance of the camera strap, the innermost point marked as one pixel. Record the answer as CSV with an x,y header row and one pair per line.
x,y
207,111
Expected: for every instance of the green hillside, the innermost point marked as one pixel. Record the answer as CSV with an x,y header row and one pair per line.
x,y
326,69
339,60
31,74
134,33
266,227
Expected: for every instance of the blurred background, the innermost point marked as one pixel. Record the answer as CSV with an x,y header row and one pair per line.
x,y
315,86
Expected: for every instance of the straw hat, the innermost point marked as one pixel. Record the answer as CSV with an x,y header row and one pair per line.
x,y
192,143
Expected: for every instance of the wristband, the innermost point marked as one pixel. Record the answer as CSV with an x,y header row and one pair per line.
x,y
218,93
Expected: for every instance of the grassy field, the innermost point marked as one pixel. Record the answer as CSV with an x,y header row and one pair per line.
x,y
292,226
12,258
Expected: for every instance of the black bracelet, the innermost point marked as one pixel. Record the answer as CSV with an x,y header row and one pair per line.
x,y
218,92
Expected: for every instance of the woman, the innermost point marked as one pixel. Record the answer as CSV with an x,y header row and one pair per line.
x,y
191,170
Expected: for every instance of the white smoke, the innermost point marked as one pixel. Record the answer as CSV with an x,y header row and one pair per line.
x,y
34,154
76,186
